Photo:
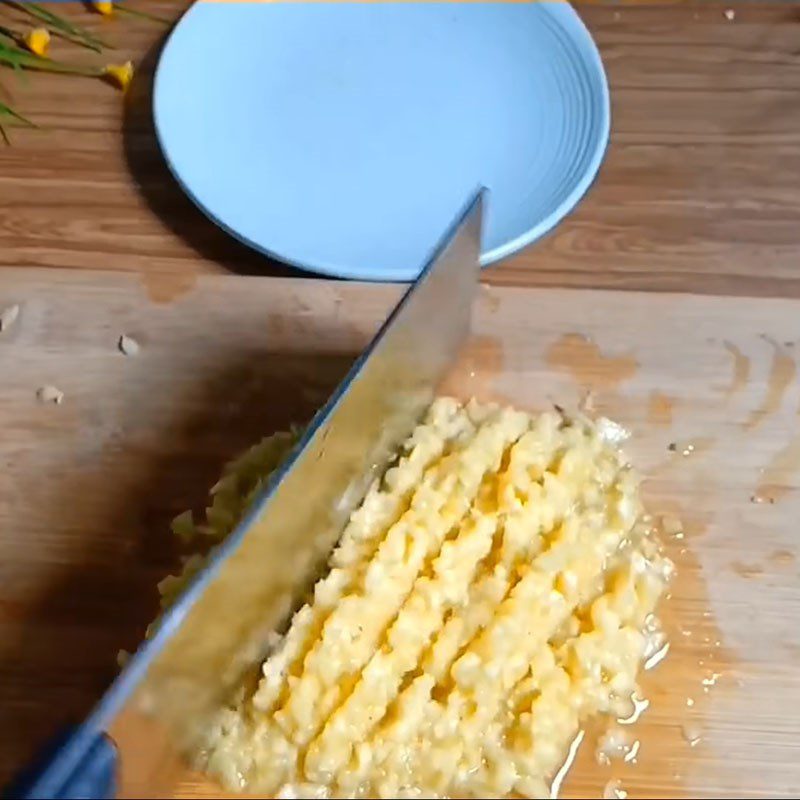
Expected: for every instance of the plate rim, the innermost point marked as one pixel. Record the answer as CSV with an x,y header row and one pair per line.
x,y
533,234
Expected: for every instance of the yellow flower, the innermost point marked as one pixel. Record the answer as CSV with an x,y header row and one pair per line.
x,y
120,75
105,7
37,40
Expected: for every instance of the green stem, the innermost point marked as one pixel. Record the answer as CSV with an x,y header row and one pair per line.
x,y
134,12
54,67
68,37
4,136
12,36
18,58
9,112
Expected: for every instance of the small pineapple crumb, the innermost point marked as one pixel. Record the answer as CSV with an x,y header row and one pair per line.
x,y
691,734
49,394
8,317
615,743
183,526
613,790
730,14
128,345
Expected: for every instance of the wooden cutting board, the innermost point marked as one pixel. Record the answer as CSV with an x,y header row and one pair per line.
x,y
708,386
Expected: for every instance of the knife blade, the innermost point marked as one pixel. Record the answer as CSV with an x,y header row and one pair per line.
x,y
218,632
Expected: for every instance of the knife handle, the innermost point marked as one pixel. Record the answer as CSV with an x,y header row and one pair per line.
x,y
79,763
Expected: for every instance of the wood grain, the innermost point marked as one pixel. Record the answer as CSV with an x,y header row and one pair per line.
x,y
707,385
698,192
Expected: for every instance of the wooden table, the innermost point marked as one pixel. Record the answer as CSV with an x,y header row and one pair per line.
x,y
698,192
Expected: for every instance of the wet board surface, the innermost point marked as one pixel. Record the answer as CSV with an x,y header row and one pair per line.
x,y
708,387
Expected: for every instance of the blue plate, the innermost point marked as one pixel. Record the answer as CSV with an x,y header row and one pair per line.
x,y
343,137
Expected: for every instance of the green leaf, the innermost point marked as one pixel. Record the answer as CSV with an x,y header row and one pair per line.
x,y
6,110
17,57
7,33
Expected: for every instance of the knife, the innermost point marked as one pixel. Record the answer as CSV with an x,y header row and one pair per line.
x,y
218,632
